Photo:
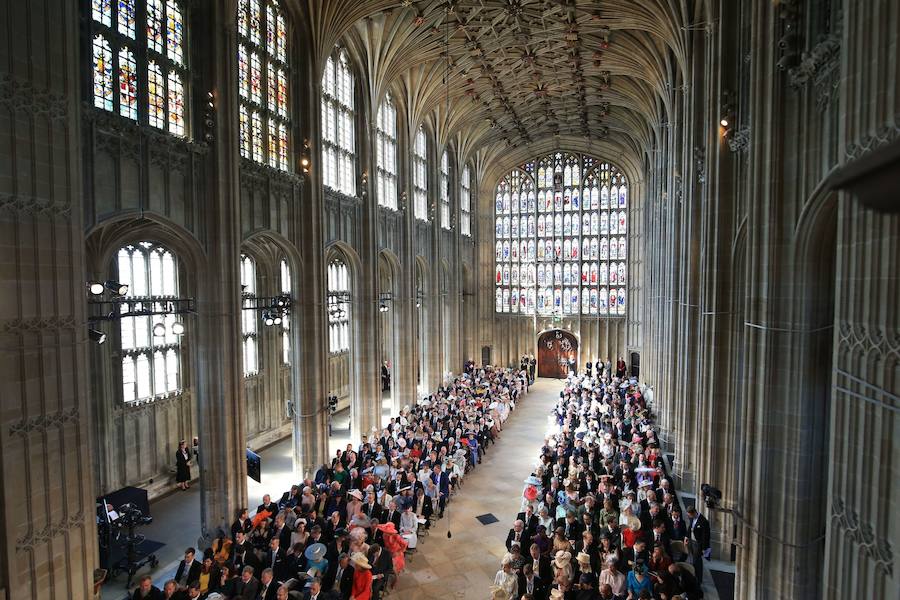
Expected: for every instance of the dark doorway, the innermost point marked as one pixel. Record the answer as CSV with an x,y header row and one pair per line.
x,y
557,354
635,364
485,355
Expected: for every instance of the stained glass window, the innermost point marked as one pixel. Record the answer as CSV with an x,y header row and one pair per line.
x,y
560,238
338,129
386,153
249,317
444,189
420,175
150,354
263,82
465,201
103,74
123,61
338,307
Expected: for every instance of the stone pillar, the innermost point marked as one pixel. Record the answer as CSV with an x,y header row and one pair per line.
x,y
47,498
220,395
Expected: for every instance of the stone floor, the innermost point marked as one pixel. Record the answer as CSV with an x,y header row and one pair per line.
x,y
462,566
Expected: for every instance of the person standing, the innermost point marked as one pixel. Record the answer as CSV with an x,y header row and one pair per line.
x,y
182,466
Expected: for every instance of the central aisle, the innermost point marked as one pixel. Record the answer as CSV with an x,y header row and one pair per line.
x,y
464,566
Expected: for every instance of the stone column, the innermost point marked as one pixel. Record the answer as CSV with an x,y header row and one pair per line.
x,y
50,546
220,395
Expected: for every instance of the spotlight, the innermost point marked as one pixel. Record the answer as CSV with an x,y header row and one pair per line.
x,y
724,122
268,319
712,495
276,319
281,301
304,161
418,304
96,336
383,307
120,289
159,330
95,287
178,328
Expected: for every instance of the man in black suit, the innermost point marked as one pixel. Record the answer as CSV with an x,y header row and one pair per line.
x,y
146,590
518,535
315,591
188,569
278,562
571,527
268,587
392,515
267,505
339,577
382,567
530,519
684,582
540,564
529,583
371,508
698,530
247,587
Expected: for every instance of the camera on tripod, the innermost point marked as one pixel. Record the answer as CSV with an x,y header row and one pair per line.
x,y
130,516
120,528
712,496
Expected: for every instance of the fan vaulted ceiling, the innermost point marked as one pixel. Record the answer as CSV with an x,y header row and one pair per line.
x,y
509,77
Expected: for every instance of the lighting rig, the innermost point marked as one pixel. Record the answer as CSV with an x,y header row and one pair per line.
x,y
107,302
274,308
384,300
336,303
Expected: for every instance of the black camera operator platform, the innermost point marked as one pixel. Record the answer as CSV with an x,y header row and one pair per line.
x,y
122,524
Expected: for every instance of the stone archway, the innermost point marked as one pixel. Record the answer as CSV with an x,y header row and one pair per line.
x,y
557,353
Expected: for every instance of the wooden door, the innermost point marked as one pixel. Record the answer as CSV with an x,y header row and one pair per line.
x,y
556,349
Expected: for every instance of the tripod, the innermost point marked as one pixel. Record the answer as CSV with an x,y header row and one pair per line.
x,y
133,559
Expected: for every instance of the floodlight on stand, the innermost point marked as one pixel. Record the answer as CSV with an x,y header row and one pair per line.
x,y
159,330
120,289
178,328
96,336
95,287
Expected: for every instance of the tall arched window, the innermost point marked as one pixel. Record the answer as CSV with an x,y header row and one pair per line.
x,y
338,307
465,201
286,318
140,44
249,330
263,82
444,185
561,238
338,125
420,175
386,153
151,350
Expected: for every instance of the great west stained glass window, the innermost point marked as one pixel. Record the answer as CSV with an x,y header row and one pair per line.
x,y
139,43
561,238
264,113
338,127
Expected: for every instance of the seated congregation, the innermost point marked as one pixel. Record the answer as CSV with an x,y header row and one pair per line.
x,y
600,518
346,532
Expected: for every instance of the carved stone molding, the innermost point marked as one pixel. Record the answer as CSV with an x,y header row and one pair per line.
x,y
876,548
115,125
31,205
739,141
821,66
862,340
38,324
261,172
21,95
35,538
135,410
700,163
882,137
43,423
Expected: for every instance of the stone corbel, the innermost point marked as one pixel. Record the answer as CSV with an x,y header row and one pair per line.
x,y
19,95
821,66
739,141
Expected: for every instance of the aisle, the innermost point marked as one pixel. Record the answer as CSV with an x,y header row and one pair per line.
x,y
464,566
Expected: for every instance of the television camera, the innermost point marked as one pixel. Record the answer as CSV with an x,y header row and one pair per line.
x,y
121,526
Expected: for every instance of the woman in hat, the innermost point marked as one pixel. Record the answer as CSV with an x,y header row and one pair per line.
x,y
362,577
507,579
498,593
562,570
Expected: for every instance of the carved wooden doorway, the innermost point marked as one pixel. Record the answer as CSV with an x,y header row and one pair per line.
x,y
557,353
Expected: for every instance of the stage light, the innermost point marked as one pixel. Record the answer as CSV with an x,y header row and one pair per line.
x,y
724,122
268,319
120,289
159,330
276,320
95,287
383,307
178,328
96,336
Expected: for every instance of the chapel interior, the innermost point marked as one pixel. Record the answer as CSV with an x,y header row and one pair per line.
x,y
273,225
